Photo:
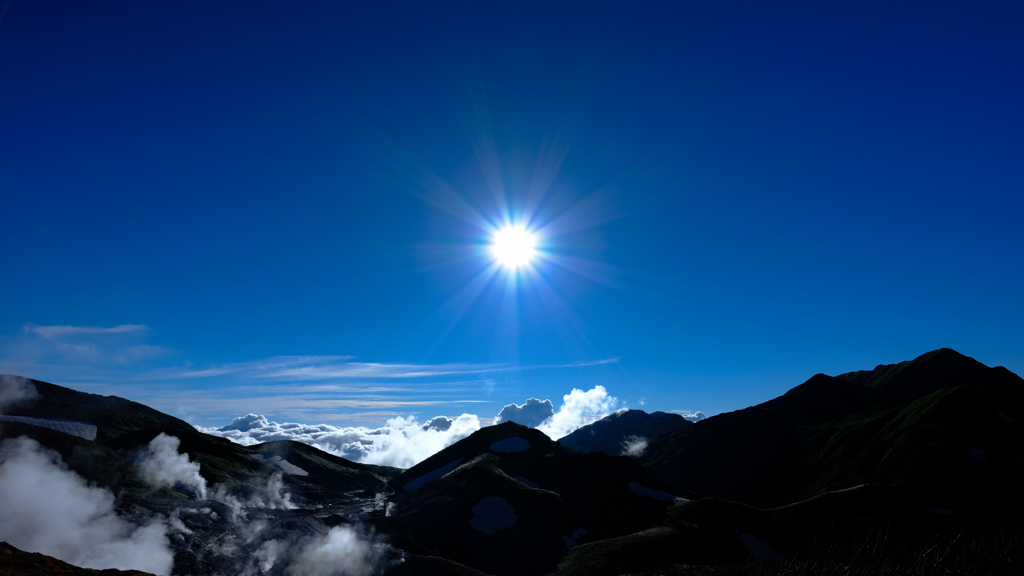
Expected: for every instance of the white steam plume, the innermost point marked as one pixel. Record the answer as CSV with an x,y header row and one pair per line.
x,y
46,508
161,465
633,446
340,551
15,389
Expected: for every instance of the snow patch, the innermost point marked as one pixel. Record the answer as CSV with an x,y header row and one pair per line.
x,y
1005,417
761,552
491,514
650,493
978,454
281,464
527,482
513,444
433,475
85,430
570,541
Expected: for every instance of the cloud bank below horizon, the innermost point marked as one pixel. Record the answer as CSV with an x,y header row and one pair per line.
x,y
405,441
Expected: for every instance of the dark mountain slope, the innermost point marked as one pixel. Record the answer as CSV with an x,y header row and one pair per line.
x,y
838,532
608,434
509,500
956,436
938,369
759,455
111,415
125,428
15,561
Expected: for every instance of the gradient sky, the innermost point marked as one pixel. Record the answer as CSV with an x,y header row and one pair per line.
x,y
232,207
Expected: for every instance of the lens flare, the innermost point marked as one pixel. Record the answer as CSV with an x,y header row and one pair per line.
x,y
514,246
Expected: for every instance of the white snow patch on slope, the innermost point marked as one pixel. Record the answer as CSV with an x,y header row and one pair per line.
x,y
491,514
527,482
761,552
281,464
433,475
74,427
513,444
978,454
651,493
570,541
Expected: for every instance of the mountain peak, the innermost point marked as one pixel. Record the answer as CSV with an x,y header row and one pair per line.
x,y
937,369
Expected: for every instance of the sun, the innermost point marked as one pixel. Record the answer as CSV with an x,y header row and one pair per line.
x,y
514,246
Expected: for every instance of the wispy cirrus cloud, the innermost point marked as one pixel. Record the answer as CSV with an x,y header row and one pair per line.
x,y
312,368
120,345
65,331
115,360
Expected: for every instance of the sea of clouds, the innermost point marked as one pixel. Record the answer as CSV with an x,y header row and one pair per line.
x,y
404,442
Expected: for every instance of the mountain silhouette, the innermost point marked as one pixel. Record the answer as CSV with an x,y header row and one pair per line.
x,y
611,433
902,460
508,488
941,422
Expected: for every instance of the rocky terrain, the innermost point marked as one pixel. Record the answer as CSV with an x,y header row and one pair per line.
x,y
900,460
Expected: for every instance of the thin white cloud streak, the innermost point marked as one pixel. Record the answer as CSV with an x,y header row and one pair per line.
x,y
691,416
89,345
58,332
312,368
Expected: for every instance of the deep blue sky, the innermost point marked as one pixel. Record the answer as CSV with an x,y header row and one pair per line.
x,y
745,195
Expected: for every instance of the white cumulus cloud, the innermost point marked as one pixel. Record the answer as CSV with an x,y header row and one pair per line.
x,y
531,413
578,408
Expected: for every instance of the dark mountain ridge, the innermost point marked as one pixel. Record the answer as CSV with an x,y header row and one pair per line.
x,y
941,422
901,460
111,415
508,488
609,434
